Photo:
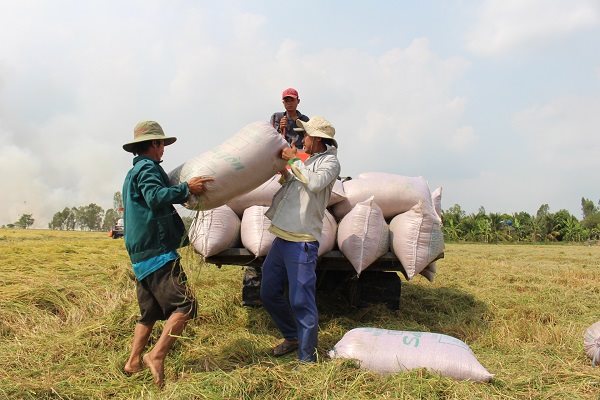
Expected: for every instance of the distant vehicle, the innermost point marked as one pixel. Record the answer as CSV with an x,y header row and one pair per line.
x,y
118,230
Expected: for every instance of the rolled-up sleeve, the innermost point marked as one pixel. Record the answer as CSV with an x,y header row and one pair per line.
x,y
315,181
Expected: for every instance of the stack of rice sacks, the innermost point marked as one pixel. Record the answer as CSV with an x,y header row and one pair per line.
x,y
414,233
367,216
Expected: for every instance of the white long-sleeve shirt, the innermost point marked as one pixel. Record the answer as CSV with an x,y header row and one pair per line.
x,y
299,206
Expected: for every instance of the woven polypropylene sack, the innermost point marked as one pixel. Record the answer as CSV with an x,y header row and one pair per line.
x,y
261,196
214,231
429,272
363,235
591,343
416,238
328,234
388,351
337,193
394,194
436,199
255,231
239,165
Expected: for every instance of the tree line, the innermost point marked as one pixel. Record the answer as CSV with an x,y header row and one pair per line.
x,y
88,218
544,226
24,222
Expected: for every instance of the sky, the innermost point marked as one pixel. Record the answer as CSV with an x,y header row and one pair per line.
x,y
496,101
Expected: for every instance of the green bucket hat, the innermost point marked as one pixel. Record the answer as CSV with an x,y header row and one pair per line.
x,y
148,130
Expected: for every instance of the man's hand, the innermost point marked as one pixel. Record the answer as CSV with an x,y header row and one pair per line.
x,y
197,184
289,152
283,124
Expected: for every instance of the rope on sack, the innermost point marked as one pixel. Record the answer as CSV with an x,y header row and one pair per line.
x,y
210,221
262,232
363,237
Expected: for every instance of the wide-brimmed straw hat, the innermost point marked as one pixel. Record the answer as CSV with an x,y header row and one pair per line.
x,y
319,127
148,130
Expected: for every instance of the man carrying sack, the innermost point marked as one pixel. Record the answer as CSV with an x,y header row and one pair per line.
x,y
296,216
154,231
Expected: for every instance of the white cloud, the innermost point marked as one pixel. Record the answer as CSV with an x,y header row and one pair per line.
x,y
562,133
463,139
84,110
504,25
71,89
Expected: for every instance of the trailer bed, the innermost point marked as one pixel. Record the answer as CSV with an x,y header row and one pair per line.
x,y
330,261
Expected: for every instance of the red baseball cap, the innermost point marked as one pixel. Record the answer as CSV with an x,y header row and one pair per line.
x,y
289,92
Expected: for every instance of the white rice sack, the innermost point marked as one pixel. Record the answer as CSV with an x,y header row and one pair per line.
x,y
261,196
239,165
416,238
395,194
255,231
363,235
429,272
388,351
591,343
328,234
436,200
337,193
214,231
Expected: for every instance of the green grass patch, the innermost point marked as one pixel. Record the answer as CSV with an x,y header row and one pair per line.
x,y
68,308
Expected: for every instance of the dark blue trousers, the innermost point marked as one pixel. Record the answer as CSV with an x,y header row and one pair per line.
x,y
297,316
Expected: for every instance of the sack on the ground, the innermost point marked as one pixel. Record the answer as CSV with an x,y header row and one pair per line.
x,y
255,231
261,196
328,234
363,235
239,165
591,343
337,193
388,351
394,194
215,230
416,238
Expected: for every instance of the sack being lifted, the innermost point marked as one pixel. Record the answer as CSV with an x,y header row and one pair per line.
x,y
239,165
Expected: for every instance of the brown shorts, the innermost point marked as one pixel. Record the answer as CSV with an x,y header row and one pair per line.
x,y
164,292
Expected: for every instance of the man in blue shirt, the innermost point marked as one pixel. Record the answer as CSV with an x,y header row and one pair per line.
x,y
153,233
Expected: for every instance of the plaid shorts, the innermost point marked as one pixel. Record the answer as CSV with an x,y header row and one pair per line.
x,y
163,293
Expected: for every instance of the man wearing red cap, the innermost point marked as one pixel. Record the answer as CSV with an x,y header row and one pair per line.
x,y
285,122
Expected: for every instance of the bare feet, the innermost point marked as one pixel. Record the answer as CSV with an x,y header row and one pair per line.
x,y
157,368
132,367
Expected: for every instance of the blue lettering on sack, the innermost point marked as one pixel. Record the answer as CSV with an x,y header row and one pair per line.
x,y
414,340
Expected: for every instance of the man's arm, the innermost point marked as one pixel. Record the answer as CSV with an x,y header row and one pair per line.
x,y
315,181
155,192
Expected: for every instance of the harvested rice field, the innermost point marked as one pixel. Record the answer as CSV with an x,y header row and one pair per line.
x,y
68,309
